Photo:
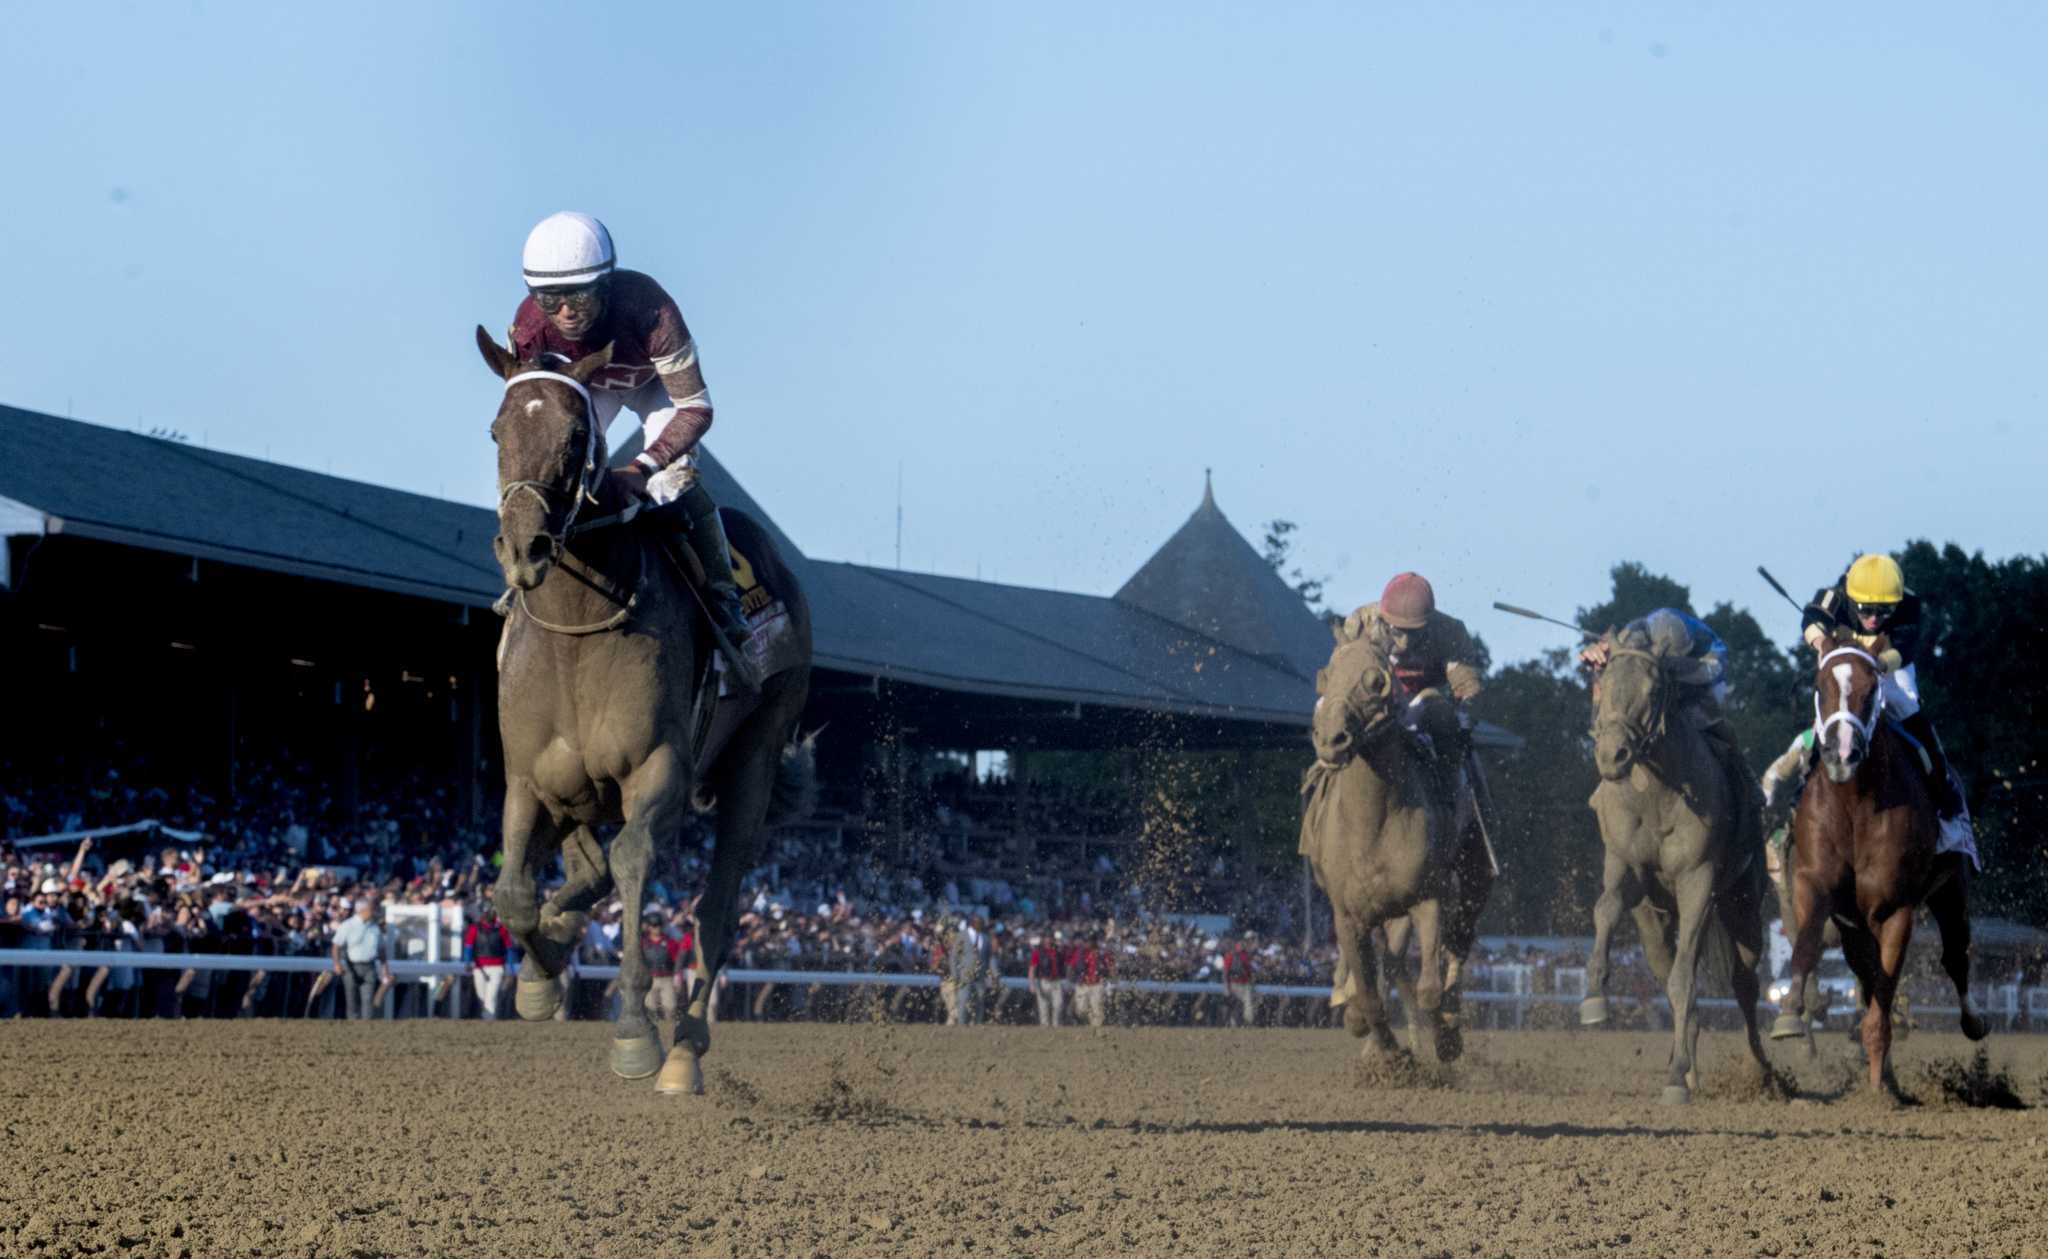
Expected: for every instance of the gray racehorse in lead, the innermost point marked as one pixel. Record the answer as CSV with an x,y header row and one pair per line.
x,y
609,710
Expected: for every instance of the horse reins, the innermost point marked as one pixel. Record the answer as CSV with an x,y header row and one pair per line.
x,y
1660,698
1868,729
585,492
586,481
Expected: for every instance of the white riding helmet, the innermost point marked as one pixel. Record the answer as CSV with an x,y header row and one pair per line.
x,y
567,249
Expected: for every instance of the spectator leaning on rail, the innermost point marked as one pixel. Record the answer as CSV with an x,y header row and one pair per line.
x,y
358,950
485,944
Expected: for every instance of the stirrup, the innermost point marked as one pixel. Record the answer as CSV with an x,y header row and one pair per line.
x,y
729,635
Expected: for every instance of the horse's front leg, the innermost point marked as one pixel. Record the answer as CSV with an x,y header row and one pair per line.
x,y
1950,905
654,796
1695,894
1618,893
1428,917
565,914
530,836
1365,1014
1812,908
1893,935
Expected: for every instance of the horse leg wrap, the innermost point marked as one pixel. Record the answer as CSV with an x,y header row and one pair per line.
x,y
537,996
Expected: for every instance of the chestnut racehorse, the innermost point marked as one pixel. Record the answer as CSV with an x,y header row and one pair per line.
x,y
1864,854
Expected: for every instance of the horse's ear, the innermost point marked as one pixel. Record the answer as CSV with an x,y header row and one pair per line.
x,y
500,360
1824,644
589,365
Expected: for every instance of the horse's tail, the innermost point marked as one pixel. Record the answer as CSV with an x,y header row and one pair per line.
x,y
1748,887
795,793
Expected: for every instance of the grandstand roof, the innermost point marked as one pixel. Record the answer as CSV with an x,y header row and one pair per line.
x,y
1205,628
1209,579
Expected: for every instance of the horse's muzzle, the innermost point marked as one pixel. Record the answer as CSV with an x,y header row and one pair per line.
x,y
524,567
1613,759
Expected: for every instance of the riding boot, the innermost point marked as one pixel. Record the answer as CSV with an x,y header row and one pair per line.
x,y
1948,802
705,533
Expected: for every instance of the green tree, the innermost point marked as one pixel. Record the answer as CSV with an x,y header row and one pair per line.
x,y
1278,550
1983,672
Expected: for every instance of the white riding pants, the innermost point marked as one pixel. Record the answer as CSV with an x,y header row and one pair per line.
x,y
1901,691
655,408
488,981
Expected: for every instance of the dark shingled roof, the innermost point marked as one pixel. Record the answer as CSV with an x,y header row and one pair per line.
x,y
116,486
1209,579
1206,628
975,637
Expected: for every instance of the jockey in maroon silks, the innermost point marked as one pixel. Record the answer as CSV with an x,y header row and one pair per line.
x,y
578,301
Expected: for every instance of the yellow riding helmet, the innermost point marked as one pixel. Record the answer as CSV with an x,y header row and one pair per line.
x,y
1876,579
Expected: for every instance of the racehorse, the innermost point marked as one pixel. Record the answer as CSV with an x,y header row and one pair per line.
x,y
609,708
1864,855
1379,854
1681,838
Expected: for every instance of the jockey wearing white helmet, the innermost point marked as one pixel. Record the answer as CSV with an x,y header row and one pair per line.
x,y
578,301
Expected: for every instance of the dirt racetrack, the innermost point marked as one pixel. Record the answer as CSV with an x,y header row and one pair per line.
x,y
473,1139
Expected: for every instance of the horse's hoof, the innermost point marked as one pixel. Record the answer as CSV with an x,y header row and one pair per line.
x,y
636,1058
681,1075
1788,1026
536,1001
1973,1027
1592,1011
1676,1095
1450,1044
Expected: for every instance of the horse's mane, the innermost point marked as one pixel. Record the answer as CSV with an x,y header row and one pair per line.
x,y
1633,637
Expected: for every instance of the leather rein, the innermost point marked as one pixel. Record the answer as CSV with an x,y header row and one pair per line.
x,y
585,491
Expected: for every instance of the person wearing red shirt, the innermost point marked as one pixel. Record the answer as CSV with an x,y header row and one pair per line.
x,y
1239,997
485,943
1088,966
1045,970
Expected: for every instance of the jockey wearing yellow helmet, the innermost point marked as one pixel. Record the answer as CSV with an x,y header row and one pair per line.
x,y
1871,600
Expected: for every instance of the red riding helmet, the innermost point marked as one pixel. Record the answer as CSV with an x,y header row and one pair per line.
x,y
1407,602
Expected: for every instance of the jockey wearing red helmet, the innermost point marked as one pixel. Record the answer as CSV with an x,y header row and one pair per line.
x,y
1437,668
1426,649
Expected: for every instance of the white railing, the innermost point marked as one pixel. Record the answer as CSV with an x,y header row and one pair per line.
x,y
1514,1005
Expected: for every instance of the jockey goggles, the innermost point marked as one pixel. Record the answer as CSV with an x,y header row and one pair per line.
x,y
1879,612
581,299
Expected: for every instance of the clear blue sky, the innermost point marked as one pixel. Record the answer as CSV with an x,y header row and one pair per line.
x,y
1505,293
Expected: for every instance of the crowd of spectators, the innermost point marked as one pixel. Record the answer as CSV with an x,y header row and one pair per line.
x,y
278,871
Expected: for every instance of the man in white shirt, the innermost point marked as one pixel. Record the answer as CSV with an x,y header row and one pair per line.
x,y
358,953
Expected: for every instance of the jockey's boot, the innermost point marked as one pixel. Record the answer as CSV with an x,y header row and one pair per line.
x,y
1948,802
1727,752
706,536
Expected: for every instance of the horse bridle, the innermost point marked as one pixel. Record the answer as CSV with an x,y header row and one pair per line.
x,y
586,483
1637,737
1823,724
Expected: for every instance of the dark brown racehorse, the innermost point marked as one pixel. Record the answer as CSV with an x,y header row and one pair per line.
x,y
1864,854
609,713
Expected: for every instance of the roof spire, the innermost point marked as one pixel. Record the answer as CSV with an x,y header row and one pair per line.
x,y
1208,489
